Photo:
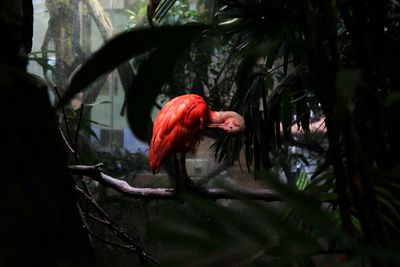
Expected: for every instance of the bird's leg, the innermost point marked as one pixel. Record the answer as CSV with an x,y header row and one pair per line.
x,y
178,182
182,180
184,176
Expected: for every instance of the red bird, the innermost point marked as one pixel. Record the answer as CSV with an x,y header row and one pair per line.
x,y
181,123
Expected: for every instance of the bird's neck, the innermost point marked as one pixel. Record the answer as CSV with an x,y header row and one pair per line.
x,y
229,121
216,116
220,116
216,119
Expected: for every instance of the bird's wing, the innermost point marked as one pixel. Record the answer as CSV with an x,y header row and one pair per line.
x,y
177,128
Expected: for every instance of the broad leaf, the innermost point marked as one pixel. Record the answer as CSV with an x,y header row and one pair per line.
x,y
125,46
152,74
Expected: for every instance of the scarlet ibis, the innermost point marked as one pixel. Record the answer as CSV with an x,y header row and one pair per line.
x,y
180,125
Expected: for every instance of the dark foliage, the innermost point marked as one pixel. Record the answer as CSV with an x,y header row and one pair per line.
x,y
338,60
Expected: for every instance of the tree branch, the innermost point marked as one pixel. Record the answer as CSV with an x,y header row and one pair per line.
x,y
134,246
116,244
170,193
103,23
100,18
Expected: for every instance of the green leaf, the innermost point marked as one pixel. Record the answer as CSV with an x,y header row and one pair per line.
x,y
90,131
163,9
152,74
302,180
97,103
286,116
302,158
125,46
232,223
381,191
309,210
392,102
42,62
247,64
98,123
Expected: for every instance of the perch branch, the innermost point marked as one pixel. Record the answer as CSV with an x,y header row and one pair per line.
x,y
170,193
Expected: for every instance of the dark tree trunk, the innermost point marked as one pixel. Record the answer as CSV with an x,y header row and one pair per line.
x,y
40,224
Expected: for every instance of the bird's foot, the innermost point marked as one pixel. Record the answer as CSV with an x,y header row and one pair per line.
x,y
190,187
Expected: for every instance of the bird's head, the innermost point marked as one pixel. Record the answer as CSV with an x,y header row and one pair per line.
x,y
229,121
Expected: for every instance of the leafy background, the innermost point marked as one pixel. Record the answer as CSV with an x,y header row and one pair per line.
x,y
281,64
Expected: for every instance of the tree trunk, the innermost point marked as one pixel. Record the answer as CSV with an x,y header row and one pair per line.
x,y
40,224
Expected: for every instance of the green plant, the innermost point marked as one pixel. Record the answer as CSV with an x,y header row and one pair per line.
x,y
296,58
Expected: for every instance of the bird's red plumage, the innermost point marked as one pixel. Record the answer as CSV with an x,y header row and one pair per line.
x,y
177,128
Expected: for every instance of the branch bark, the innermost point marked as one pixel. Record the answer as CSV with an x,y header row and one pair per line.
x,y
100,18
170,193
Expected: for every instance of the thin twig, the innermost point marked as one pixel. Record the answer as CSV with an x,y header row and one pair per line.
x,y
78,127
76,157
97,219
105,240
66,142
69,134
86,226
115,229
270,71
